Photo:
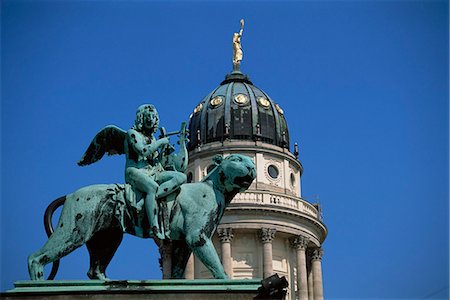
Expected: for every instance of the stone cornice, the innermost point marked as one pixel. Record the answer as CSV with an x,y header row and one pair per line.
x,y
304,218
233,146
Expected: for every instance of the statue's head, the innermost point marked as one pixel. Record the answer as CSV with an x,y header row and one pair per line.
x,y
147,118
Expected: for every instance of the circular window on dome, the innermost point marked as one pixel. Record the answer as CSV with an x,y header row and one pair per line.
x,y
216,101
263,102
273,171
279,109
241,99
198,108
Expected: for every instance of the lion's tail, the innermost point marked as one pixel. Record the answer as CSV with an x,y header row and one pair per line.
x,y
49,229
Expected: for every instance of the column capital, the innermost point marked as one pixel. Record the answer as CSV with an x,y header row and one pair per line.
x,y
317,254
267,234
299,242
225,235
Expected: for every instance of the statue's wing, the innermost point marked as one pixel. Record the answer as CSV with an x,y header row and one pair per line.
x,y
110,139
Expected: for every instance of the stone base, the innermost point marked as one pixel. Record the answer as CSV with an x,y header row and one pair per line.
x,y
134,289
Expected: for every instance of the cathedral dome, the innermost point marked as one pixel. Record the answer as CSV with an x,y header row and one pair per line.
x,y
238,110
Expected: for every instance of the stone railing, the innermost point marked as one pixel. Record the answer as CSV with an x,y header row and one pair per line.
x,y
261,198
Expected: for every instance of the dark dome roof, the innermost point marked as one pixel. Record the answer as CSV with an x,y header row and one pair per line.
x,y
238,110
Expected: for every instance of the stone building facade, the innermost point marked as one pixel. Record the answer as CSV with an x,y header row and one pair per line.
x,y
269,228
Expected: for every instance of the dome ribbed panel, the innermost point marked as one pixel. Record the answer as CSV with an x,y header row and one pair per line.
x,y
238,121
266,120
241,114
215,123
253,107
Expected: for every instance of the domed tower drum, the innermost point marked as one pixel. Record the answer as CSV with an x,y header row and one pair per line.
x,y
269,228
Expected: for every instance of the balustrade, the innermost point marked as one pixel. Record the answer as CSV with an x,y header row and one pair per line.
x,y
262,198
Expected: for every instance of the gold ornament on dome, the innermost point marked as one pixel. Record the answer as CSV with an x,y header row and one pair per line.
x,y
241,99
279,109
216,101
198,108
263,102
237,47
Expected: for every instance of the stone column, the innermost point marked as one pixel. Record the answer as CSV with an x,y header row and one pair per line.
x,y
189,271
165,250
267,235
316,262
310,284
197,171
226,236
300,243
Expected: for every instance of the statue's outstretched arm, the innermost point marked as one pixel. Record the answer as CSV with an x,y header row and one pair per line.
x,y
136,140
241,31
110,139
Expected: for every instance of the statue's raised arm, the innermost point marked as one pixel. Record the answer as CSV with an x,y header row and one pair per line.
x,y
110,140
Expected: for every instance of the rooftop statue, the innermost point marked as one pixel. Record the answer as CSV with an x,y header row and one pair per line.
x,y
155,202
237,47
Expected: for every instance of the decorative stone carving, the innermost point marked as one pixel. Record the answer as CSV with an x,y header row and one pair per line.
x,y
267,234
299,242
317,254
225,235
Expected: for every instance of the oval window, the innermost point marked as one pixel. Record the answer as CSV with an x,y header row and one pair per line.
x,y
198,108
241,99
216,101
273,171
263,102
279,109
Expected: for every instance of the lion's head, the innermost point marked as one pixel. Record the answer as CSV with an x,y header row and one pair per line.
x,y
236,172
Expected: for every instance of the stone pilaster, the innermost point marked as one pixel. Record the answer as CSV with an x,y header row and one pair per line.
x,y
300,243
267,235
316,265
226,236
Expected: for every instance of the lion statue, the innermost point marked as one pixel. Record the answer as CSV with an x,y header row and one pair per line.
x,y
98,215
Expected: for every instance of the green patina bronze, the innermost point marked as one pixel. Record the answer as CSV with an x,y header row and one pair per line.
x,y
154,202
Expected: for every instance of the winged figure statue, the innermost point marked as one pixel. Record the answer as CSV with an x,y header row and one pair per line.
x,y
156,202
152,168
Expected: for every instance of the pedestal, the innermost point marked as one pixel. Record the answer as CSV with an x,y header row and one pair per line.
x,y
134,289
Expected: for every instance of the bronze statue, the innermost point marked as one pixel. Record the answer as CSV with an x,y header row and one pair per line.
x,y
180,215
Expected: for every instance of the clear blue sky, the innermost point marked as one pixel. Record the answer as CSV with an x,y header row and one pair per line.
x,y
364,87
